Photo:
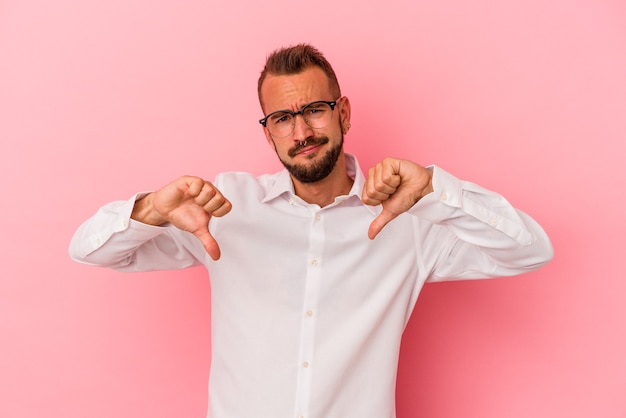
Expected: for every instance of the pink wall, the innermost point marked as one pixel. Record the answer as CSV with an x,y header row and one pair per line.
x,y
102,99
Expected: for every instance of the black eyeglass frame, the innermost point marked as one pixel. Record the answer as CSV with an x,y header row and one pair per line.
x,y
299,112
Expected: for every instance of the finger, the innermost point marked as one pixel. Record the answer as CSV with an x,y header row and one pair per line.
x,y
205,194
371,200
224,209
193,185
380,222
209,243
375,192
388,176
383,180
218,206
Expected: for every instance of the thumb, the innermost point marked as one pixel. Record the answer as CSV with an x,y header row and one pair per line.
x,y
209,243
379,222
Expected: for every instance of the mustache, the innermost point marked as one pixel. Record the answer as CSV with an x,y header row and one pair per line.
x,y
308,142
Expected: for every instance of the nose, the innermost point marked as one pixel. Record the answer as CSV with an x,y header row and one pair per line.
x,y
301,130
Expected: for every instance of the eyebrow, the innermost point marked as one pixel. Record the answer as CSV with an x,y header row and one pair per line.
x,y
299,109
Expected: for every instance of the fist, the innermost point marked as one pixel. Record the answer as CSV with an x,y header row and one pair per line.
x,y
187,203
397,185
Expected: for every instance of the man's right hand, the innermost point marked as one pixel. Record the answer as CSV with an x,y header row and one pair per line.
x,y
187,203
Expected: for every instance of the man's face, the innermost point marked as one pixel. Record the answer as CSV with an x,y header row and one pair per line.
x,y
310,154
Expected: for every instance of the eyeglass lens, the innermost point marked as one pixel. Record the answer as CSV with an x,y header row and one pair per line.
x,y
316,115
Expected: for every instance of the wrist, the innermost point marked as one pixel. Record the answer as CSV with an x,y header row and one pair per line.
x,y
144,211
429,186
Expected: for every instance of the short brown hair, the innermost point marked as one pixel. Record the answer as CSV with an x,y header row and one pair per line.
x,y
294,60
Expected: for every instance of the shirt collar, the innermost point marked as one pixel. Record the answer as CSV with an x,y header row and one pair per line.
x,y
284,184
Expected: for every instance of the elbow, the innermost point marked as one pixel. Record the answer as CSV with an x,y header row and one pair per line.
x,y
546,254
75,252
78,254
540,250
87,251
542,253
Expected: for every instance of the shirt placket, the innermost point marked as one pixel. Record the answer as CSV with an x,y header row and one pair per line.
x,y
307,366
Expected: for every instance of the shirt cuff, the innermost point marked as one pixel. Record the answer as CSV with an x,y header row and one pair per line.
x,y
438,206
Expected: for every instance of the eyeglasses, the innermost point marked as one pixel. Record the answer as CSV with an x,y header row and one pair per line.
x,y
316,114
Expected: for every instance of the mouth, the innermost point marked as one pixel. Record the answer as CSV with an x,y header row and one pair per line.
x,y
309,147
308,150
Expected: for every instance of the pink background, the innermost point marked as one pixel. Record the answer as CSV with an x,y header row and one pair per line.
x,y
102,99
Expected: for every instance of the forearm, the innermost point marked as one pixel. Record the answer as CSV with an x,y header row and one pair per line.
x,y
111,238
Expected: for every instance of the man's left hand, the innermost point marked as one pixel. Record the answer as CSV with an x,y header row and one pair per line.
x,y
397,185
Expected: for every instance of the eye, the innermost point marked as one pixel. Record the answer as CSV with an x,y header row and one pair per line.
x,y
279,118
316,109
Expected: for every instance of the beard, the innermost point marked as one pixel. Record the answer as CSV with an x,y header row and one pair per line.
x,y
318,170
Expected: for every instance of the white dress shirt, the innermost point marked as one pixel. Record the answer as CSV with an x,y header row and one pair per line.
x,y
307,312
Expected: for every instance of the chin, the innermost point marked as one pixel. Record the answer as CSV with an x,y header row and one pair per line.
x,y
319,164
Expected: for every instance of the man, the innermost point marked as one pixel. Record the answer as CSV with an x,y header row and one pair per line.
x,y
314,270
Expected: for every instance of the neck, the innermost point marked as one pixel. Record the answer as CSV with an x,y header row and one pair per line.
x,y
325,191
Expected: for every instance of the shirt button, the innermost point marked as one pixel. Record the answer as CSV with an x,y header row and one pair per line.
x,y
318,217
493,221
305,364
314,262
309,313
291,201
443,197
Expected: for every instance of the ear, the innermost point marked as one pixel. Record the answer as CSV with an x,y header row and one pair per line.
x,y
344,114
